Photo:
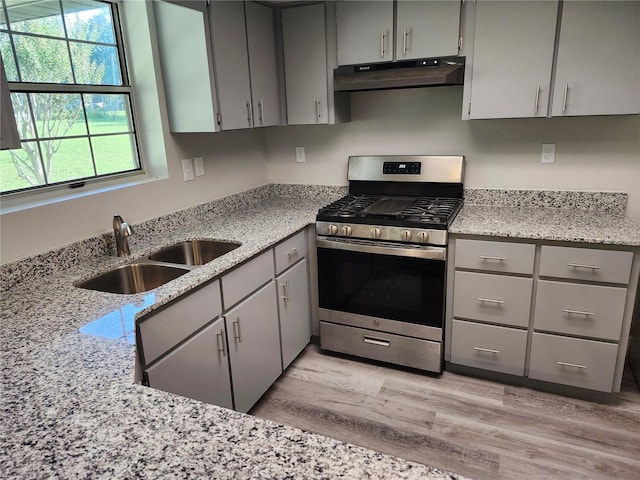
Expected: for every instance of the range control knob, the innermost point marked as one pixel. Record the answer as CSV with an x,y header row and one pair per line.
x,y
346,231
405,235
376,233
332,229
423,237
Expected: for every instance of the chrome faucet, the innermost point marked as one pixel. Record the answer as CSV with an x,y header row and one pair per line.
x,y
122,231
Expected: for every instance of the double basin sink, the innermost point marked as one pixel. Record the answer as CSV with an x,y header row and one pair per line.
x,y
158,268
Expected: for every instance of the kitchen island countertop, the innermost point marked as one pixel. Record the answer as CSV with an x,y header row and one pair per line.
x,y
69,404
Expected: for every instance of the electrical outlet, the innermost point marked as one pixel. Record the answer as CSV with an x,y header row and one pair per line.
x,y
300,155
199,166
187,169
548,153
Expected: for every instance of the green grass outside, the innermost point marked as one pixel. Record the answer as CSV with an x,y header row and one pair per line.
x,y
73,160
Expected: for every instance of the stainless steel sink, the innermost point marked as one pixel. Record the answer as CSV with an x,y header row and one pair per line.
x,y
133,278
193,252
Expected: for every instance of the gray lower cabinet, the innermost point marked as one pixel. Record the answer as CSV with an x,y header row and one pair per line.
x,y
254,346
293,304
564,319
197,369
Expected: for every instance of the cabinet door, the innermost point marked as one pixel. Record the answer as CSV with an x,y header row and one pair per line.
x,y
598,69
262,65
232,67
427,29
365,32
305,63
293,301
197,369
513,54
183,40
254,346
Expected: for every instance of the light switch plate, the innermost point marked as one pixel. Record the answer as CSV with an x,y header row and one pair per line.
x,y
187,169
199,166
300,155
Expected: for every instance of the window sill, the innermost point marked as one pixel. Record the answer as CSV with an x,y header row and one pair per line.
x,y
24,201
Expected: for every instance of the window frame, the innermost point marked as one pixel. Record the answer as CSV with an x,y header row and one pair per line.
x,y
125,89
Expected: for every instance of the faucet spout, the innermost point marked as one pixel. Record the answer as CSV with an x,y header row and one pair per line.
x,y
122,231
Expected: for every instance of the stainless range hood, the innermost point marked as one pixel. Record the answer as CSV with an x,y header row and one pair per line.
x,y
432,72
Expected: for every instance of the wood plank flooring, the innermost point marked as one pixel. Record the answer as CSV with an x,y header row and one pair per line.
x,y
469,426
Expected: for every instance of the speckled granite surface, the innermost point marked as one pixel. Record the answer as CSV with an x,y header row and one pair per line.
x,y
69,405
589,217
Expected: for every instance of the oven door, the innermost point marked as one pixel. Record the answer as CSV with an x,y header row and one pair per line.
x,y
395,288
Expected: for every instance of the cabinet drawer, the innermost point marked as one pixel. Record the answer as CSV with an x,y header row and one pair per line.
x,y
586,264
583,310
247,278
492,298
495,256
386,347
499,349
573,361
290,251
166,328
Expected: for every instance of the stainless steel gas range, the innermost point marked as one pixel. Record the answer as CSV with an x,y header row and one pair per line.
x,y
382,252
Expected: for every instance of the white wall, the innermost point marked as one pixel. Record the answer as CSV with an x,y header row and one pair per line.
x,y
592,153
234,161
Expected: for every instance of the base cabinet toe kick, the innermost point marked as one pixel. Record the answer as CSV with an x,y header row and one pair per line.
x,y
555,317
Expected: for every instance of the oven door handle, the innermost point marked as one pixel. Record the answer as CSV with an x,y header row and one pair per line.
x,y
431,253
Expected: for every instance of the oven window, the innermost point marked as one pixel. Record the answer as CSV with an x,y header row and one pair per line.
x,y
384,286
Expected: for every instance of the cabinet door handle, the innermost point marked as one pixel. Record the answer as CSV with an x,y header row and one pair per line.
x,y
261,111
382,36
564,100
578,312
404,42
236,330
293,252
574,365
489,257
535,110
488,350
582,265
220,340
318,109
249,113
376,341
285,292
489,300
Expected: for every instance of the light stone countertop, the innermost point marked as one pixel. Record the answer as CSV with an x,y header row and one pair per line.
x,y
69,404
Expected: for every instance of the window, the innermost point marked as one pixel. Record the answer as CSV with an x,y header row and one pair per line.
x,y
70,93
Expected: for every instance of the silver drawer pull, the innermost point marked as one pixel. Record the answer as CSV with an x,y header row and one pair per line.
x,y
220,340
489,300
578,312
489,350
293,252
574,365
376,341
580,265
488,257
236,330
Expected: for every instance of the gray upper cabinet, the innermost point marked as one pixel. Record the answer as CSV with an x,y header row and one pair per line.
x,y
365,32
512,60
598,63
427,29
232,67
262,64
185,55
305,63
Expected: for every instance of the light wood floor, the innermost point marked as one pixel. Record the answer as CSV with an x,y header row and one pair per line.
x,y
468,426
